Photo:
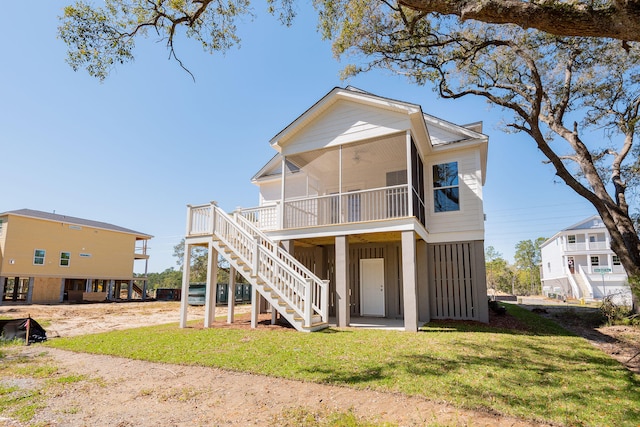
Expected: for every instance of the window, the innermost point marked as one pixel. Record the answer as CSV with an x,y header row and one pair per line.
x,y
571,239
64,259
616,260
595,261
1,227
446,193
38,257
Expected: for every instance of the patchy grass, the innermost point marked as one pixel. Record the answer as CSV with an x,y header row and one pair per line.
x,y
297,417
545,374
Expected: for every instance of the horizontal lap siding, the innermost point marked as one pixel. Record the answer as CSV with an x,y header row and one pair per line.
x,y
451,281
347,122
470,217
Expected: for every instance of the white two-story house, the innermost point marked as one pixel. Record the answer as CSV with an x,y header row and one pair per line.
x,y
369,208
578,262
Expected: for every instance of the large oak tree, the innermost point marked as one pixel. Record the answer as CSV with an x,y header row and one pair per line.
x,y
557,89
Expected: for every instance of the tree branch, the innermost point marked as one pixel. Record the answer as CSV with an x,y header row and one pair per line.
x,y
615,19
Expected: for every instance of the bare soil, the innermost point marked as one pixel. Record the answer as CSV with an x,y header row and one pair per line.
x,y
122,392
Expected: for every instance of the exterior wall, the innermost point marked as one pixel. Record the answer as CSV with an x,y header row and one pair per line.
x,y
46,290
470,217
109,253
457,281
451,278
553,264
345,123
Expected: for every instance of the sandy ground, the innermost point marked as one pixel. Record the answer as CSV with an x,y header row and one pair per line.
x,y
122,392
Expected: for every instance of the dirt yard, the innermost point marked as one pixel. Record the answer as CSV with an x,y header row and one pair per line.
x,y
122,392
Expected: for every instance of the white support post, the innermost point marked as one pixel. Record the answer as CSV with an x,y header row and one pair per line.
x,y
186,272
214,205
231,294
274,314
409,175
88,285
308,297
188,222
256,256
255,307
343,305
211,287
62,291
29,290
325,301
282,192
409,283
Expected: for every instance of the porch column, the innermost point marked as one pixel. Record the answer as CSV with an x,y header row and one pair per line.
x,y
29,290
282,193
129,290
186,272
342,282
287,245
409,149
211,287
409,282
231,294
424,312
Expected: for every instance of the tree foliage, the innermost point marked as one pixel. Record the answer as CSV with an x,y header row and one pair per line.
x,y
576,98
99,38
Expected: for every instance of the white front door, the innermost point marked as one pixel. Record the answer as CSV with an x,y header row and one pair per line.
x,y
372,287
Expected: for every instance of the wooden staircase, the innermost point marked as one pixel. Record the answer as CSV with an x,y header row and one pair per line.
x,y
292,290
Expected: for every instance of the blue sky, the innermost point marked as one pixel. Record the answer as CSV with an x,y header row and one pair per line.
x,y
136,149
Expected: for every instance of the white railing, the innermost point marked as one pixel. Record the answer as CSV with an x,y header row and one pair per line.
x,y
315,291
264,217
199,219
355,206
298,287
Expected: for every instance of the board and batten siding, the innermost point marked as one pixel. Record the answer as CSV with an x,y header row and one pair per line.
x,y
345,123
470,217
457,284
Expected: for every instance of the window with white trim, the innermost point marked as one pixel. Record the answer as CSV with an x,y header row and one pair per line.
x,y
38,256
595,261
616,260
446,190
65,257
571,238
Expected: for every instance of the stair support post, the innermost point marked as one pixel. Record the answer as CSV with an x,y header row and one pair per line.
x,y
214,205
325,301
256,256
308,298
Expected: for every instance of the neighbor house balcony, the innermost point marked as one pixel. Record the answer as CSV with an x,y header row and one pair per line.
x,y
377,204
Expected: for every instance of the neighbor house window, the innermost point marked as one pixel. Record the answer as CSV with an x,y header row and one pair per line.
x,y
616,260
38,256
446,193
64,259
595,261
571,239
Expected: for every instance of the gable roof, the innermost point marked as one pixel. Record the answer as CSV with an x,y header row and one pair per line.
x,y
30,213
591,223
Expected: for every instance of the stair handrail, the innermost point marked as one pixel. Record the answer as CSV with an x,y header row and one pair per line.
x,y
290,284
318,288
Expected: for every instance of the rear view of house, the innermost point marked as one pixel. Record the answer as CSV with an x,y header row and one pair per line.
x,y
49,258
369,208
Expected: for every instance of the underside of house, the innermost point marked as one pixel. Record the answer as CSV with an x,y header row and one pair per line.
x,y
371,208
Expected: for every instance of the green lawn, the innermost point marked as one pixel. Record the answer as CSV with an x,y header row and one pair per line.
x,y
545,374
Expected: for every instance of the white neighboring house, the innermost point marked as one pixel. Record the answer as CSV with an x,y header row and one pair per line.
x,y
369,208
577,262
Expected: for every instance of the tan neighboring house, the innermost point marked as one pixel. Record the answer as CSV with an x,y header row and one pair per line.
x,y
51,258
370,210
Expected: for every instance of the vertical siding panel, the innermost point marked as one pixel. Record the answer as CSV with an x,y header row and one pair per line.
x,y
455,281
449,277
462,277
469,282
438,279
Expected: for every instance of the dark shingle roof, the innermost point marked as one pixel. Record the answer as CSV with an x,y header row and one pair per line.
x,y
73,220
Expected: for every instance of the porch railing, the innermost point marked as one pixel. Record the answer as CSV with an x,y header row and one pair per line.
x,y
355,206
